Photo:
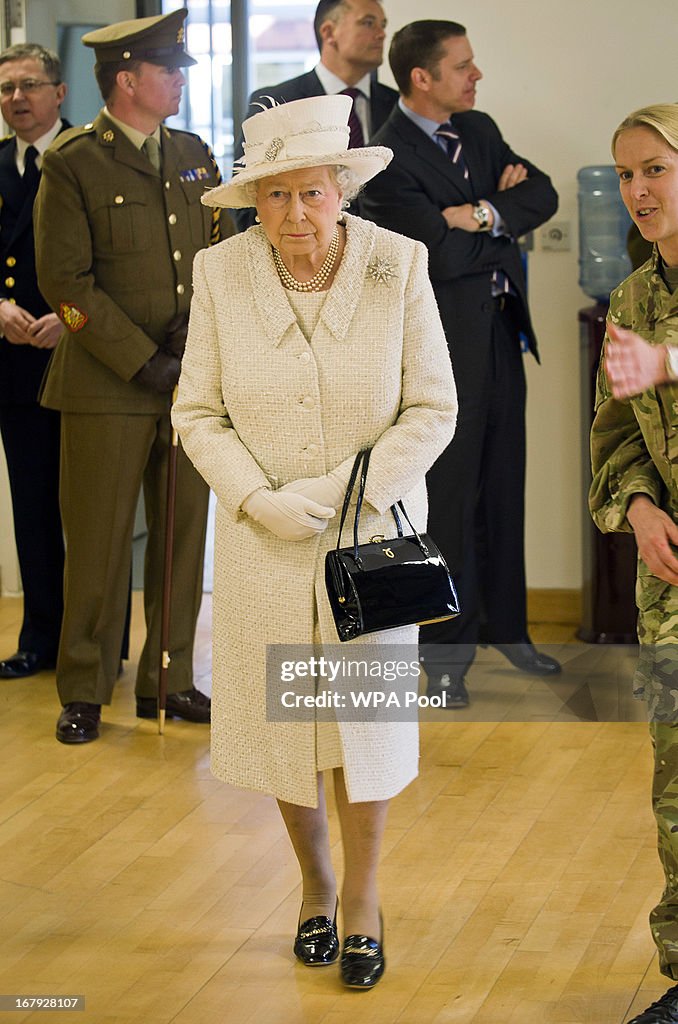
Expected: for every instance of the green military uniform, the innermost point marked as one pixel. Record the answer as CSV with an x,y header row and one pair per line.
x,y
116,241
634,449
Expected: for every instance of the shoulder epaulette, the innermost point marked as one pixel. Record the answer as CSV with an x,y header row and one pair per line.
x,y
70,134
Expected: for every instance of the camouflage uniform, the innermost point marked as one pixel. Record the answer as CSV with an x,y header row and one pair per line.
x,y
634,449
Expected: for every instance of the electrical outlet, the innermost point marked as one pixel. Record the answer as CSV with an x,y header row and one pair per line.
x,y
555,236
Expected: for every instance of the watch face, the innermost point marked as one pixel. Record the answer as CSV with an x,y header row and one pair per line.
x,y
482,216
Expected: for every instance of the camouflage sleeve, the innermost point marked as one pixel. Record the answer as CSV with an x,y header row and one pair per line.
x,y
620,461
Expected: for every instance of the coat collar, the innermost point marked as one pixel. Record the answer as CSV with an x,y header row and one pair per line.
x,y
339,308
124,151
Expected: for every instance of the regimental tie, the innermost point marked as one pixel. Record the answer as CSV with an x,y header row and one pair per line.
x,y
151,148
31,172
446,131
357,138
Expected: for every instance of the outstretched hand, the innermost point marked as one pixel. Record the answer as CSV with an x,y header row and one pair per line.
x,y
632,364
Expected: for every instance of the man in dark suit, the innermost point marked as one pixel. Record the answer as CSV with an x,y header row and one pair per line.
x,y
457,186
350,36
31,94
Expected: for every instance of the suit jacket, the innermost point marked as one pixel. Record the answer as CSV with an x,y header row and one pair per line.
x,y
421,181
382,101
115,248
21,366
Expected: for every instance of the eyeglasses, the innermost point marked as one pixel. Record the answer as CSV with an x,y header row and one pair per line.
x,y
26,86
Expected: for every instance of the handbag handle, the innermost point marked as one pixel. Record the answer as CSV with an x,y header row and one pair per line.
x,y
361,464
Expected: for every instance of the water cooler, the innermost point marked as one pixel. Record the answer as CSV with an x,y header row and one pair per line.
x,y
609,569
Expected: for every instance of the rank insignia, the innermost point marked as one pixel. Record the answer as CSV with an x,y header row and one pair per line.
x,y
108,135
180,35
194,174
73,318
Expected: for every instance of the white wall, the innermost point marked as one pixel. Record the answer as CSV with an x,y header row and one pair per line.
x,y
559,77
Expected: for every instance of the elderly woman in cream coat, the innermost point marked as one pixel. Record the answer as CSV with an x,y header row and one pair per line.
x,y
312,336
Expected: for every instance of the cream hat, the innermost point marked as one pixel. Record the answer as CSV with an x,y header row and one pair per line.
x,y
311,132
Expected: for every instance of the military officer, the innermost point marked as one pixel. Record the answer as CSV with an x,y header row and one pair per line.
x,y
118,221
31,94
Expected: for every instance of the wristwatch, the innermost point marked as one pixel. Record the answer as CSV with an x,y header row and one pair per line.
x,y
481,214
671,362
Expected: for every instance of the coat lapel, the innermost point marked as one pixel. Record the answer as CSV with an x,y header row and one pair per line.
x,y
425,151
275,312
111,137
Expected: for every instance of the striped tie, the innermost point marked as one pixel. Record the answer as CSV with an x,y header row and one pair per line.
x,y
500,282
357,139
453,146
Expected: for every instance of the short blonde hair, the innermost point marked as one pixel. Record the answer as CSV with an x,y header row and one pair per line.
x,y
661,118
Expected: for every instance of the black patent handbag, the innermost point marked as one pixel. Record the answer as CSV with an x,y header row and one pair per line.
x,y
383,584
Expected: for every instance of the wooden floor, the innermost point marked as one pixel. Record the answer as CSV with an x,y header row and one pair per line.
x,y
518,870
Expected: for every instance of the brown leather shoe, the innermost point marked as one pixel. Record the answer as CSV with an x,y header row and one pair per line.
x,y
78,722
191,705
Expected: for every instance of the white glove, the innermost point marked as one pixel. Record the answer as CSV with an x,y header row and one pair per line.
x,y
288,516
327,490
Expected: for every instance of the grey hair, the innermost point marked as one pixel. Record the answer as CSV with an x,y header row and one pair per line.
x,y
346,180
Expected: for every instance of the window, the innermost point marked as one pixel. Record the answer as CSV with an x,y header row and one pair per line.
x,y
279,44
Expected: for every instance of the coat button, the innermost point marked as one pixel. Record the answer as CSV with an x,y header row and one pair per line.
x,y
308,402
180,289
10,282
168,184
172,218
176,255
305,357
119,200
10,261
312,449
486,307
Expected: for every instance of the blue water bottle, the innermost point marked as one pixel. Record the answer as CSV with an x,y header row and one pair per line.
x,y
603,227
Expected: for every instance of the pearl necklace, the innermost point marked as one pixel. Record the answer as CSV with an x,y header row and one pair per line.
x,y
315,284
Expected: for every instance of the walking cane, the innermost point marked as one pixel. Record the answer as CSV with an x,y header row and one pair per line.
x,y
167,575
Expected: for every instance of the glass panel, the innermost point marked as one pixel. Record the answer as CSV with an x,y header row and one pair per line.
x,y
282,41
281,46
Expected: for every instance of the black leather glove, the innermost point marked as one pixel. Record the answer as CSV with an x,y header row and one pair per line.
x,y
160,373
175,338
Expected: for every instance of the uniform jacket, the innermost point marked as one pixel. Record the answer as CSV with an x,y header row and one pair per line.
x,y
382,101
260,406
115,246
421,181
21,366
634,450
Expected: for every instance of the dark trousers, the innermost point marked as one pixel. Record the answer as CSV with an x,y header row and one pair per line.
x,y
105,460
477,507
30,436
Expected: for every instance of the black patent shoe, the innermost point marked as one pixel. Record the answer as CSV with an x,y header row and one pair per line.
x,y
362,960
527,658
317,942
191,705
78,722
449,688
24,663
664,1011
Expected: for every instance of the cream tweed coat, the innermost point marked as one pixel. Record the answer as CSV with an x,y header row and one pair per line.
x,y
260,406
